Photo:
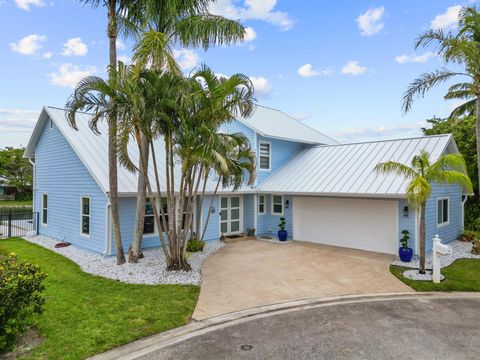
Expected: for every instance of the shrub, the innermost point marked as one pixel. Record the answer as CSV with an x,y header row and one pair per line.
x,y
194,245
404,239
20,297
472,214
467,236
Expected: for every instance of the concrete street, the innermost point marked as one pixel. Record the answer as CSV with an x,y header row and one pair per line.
x,y
420,327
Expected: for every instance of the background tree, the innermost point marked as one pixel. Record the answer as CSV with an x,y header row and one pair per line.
x,y
461,48
17,171
421,174
463,130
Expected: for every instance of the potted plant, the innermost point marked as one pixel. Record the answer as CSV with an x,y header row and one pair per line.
x,y
405,252
282,233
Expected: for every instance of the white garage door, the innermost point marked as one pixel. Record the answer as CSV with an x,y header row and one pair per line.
x,y
355,223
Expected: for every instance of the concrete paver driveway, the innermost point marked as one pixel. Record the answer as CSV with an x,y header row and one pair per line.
x,y
254,273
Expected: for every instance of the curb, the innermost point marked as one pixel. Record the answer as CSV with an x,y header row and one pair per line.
x,y
142,347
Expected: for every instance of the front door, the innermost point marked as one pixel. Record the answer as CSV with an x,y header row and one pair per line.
x,y
231,215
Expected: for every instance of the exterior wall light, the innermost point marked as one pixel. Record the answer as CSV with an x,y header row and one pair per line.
x,y
405,211
287,204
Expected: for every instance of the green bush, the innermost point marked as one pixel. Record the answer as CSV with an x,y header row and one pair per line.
x,y
20,297
195,245
472,214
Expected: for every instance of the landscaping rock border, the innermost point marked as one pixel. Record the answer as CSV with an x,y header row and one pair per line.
x,y
460,250
150,270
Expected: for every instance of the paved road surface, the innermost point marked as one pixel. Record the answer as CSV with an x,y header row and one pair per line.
x,y
395,329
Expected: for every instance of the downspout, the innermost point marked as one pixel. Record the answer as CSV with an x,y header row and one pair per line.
x,y
464,200
34,182
107,250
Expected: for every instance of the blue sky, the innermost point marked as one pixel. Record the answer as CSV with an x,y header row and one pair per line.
x,y
341,67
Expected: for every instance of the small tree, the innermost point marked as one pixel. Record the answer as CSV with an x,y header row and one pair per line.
x,y
449,168
16,170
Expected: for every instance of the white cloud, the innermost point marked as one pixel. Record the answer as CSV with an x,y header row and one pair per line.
x,y
253,10
47,55
29,44
250,34
354,68
261,86
125,59
69,75
25,4
382,132
370,22
446,20
120,44
186,58
75,47
308,71
21,112
414,58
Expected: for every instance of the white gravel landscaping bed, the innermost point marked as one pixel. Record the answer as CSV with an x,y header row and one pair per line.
x,y
149,270
460,250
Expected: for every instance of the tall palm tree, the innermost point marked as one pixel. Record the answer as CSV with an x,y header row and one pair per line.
x,y
123,15
462,48
186,23
422,173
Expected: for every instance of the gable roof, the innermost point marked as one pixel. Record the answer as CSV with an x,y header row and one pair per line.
x,y
276,124
348,169
92,150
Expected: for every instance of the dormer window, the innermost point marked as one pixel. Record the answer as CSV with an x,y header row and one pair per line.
x,y
265,155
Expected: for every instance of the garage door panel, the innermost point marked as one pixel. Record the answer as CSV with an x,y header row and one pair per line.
x,y
356,223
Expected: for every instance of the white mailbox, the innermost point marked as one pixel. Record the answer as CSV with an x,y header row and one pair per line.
x,y
439,249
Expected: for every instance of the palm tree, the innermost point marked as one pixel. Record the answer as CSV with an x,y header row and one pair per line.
x,y
459,48
123,15
180,113
449,168
186,23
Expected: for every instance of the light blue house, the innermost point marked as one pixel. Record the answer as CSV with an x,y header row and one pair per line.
x,y
329,193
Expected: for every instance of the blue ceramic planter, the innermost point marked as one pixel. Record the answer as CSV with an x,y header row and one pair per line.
x,y
282,235
405,254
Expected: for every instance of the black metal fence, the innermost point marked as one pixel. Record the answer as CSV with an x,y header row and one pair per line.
x,y
18,224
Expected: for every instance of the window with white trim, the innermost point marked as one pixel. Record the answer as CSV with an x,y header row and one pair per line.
x,y
277,204
261,204
44,209
443,212
149,220
85,228
265,155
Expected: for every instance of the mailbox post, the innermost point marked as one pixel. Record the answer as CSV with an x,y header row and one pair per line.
x,y
439,249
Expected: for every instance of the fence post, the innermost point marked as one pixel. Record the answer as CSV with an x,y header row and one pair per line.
x,y
9,225
37,218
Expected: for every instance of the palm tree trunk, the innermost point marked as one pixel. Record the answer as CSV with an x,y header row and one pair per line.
x,y
422,240
477,132
112,140
210,209
134,251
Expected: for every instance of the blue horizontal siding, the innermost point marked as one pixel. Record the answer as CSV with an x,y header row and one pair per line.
x,y
213,227
448,232
236,127
62,176
407,223
267,224
282,151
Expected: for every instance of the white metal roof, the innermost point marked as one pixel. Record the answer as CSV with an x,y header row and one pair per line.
x,y
348,169
92,150
276,124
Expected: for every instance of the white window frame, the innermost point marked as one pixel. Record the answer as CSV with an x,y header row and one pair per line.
x,y
441,224
282,203
44,208
264,204
269,155
88,215
155,230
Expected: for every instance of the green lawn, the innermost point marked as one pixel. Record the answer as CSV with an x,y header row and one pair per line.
x,y
9,203
462,275
86,314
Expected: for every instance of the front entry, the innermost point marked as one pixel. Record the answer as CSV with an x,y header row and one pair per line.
x,y
231,215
